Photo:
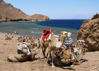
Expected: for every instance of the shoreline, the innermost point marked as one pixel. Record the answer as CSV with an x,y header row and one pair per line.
x,y
16,21
18,35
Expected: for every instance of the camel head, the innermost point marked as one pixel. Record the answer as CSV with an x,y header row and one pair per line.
x,y
81,43
64,33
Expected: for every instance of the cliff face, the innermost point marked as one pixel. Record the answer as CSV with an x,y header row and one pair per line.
x,y
89,32
8,12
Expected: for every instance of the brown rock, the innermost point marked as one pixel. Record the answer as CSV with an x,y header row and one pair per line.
x,y
95,16
39,17
89,32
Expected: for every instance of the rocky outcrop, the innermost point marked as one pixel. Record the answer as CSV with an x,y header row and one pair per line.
x,y
10,13
39,17
89,31
95,16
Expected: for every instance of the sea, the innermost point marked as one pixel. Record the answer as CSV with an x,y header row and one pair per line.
x,y
36,28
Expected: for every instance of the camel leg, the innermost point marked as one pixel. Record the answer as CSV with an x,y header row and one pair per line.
x,y
48,56
52,56
74,59
17,57
11,58
44,50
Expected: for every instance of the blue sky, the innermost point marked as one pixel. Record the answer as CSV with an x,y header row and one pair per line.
x,y
58,9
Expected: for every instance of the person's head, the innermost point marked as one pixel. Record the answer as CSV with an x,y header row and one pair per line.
x,y
69,34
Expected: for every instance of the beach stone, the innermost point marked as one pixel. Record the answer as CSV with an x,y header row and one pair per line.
x,y
89,31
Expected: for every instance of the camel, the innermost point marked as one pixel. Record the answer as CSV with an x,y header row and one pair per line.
x,y
70,55
52,43
77,54
67,56
26,51
80,50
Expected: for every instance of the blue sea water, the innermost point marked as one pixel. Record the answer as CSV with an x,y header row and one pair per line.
x,y
71,24
35,28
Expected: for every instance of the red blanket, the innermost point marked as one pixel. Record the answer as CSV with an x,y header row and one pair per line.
x,y
45,35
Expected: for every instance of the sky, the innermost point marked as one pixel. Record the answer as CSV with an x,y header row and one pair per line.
x,y
58,9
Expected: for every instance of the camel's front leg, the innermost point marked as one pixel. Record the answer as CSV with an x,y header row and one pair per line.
x,y
43,50
52,56
48,56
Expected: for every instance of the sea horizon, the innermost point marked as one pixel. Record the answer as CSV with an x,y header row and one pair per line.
x,y
67,19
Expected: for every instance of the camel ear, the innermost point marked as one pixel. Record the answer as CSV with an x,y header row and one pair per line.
x,y
49,38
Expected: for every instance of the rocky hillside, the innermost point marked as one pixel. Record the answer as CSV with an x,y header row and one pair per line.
x,y
7,11
10,13
89,31
39,17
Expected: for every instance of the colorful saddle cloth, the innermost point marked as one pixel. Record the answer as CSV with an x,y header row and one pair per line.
x,y
23,48
67,42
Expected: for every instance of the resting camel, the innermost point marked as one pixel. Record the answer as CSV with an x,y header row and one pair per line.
x,y
31,50
69,56
80,50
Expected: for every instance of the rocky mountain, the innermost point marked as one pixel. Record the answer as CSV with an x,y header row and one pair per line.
x,y
89,31
10,13
39,17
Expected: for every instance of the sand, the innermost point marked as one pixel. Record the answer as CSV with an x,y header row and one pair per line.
x,y
9,47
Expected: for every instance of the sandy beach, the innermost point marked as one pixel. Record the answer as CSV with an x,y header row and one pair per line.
x,y
9,47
